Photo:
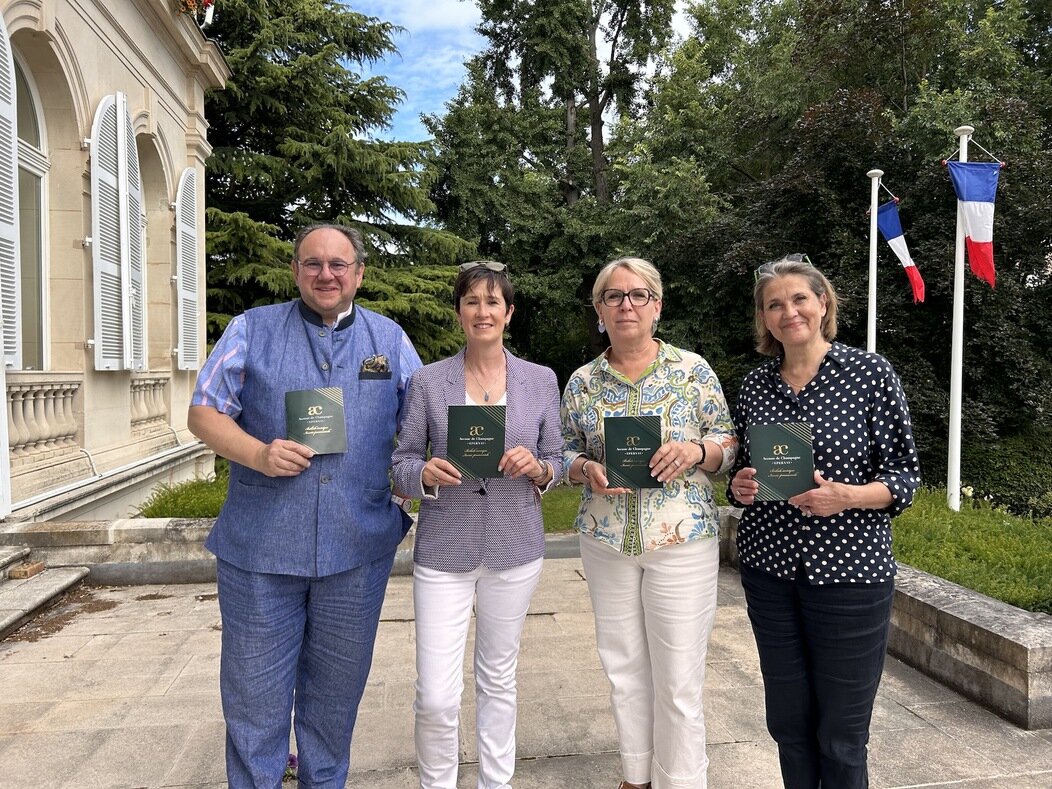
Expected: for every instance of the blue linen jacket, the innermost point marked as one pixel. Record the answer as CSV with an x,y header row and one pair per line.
x,y
337,514
461,529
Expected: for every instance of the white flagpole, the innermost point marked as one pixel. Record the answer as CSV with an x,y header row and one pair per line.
x,y
874,191
953,464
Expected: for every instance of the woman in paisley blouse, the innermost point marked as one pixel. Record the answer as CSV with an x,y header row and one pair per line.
x,y
651,555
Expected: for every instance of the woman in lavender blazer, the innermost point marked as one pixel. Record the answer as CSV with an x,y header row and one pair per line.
x,y
478,542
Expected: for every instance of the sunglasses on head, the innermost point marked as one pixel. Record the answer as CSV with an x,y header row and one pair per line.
x,y
768,267
489,265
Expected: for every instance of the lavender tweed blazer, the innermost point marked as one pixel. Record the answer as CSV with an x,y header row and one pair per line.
x,y
462,529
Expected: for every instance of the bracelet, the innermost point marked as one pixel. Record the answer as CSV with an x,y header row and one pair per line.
x,y
584,473
542,475
704,452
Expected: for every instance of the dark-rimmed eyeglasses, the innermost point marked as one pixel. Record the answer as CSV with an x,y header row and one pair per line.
x,y
313,266
637,297
489,265
768,267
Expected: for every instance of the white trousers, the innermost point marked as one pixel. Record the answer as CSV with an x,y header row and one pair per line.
x,y
443,615
653,618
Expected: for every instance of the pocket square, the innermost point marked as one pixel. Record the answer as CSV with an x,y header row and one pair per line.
x,y
376,364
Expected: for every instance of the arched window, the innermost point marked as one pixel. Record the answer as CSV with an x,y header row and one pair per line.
x,y
33,167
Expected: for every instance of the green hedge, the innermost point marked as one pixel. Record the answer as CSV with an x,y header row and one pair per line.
x,y
1014,472
982,547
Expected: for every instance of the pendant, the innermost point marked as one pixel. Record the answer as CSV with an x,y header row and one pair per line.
x,y
485,396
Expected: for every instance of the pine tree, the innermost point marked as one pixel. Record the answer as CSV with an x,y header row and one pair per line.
x,y
292,146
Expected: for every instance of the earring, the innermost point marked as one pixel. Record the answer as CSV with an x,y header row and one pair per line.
x,y
601,326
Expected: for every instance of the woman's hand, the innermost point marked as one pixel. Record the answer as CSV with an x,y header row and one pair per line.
x,y
831,498
439,471
674,458
594,474
520,462
744,486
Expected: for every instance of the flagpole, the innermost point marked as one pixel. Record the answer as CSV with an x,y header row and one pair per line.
x,y
953,464
874,191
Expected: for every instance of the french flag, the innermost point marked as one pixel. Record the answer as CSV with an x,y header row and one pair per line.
x,y
976,187
891,229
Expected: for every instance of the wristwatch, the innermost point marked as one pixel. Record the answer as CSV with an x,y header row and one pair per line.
x,y
704,452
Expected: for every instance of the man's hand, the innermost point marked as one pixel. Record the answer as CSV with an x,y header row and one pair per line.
x,y
283,458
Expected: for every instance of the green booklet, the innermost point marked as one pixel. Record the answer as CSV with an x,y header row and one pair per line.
x,y
784,459
631,442
314,417
475,439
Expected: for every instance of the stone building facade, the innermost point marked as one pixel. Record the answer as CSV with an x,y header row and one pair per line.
x,y
103,141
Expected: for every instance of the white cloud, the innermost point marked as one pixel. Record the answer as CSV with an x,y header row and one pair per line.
x,y
423,15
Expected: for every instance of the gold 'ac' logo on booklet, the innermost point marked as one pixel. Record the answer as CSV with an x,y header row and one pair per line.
x,y
314,410
780,449
632,441
476,430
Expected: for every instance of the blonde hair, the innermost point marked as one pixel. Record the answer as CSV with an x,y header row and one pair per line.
x,y
816,281
643,269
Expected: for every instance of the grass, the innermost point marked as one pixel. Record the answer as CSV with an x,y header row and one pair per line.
x,y
983,548
559,506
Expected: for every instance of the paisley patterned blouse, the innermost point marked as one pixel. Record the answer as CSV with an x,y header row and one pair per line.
x,y
682,389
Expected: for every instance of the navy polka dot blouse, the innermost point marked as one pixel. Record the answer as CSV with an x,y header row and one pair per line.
x,y
862,432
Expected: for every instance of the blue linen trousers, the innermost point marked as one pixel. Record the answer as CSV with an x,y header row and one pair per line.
x,y
822,653
295,643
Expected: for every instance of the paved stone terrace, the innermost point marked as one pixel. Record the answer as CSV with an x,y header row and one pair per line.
x,y
117,687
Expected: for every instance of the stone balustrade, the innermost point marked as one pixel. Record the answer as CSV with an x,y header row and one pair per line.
x,y
40,413
149,405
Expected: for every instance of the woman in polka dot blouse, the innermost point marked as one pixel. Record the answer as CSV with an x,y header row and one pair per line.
x,y
818,569
651,555
479,544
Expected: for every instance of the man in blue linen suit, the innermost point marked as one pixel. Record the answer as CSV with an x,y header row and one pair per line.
x,y
304,543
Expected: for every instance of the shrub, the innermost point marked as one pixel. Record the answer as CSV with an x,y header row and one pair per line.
x,y
194,498
1013,472
982,547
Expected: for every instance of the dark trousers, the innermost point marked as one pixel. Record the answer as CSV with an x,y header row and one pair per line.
x,y
821,654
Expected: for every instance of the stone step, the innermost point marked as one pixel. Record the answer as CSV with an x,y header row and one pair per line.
x,y
9,555
21,599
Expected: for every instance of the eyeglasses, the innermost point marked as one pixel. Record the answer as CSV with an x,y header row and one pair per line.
x,y
637,297
489,265
313,266
768,267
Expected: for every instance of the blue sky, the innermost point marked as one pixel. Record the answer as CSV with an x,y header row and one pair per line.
x,y
439,36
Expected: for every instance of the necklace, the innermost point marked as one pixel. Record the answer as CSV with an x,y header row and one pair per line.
x,y
793,383
485,391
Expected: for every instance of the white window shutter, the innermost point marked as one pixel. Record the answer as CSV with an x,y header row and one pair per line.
x,y
10,270
137,269
118,244
188,354
5,459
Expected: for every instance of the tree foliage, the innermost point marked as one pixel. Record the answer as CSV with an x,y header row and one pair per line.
x,y
292,146
751,139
